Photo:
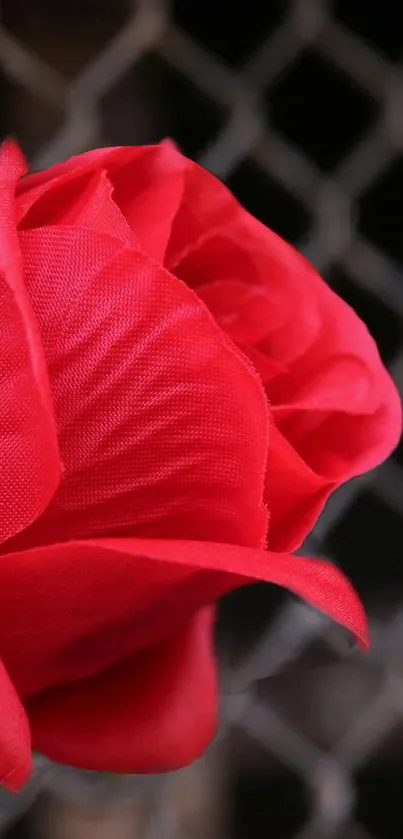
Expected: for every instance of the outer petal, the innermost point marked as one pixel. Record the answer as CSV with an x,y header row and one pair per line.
x,y
153,713
15,737
162,425
72,610
29,458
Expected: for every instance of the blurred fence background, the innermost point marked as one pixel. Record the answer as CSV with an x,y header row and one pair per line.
x,y
298,106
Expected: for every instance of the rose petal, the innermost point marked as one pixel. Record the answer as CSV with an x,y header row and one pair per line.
x,y
339,406
71,610
294,493
15,737
162,425
33,188
336,403
84,201
149,194
244,311
153,713
29,457
147,182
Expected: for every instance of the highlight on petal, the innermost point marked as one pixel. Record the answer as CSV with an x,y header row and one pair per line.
x,y
163,425
15,737
29,457
155,712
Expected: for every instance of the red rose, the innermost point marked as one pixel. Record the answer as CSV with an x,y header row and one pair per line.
x,y
147,323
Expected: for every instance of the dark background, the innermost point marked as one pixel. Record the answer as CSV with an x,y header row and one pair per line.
x,y
298,106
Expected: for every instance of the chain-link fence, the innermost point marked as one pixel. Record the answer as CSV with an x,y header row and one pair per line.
x,y
298,106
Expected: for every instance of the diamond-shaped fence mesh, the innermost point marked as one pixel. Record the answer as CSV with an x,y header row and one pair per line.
x,y
298,106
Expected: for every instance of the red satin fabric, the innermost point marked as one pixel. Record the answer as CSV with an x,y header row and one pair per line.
x,y
179,391
111,612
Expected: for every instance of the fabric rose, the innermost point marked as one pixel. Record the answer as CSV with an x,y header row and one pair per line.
x,y
180,393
